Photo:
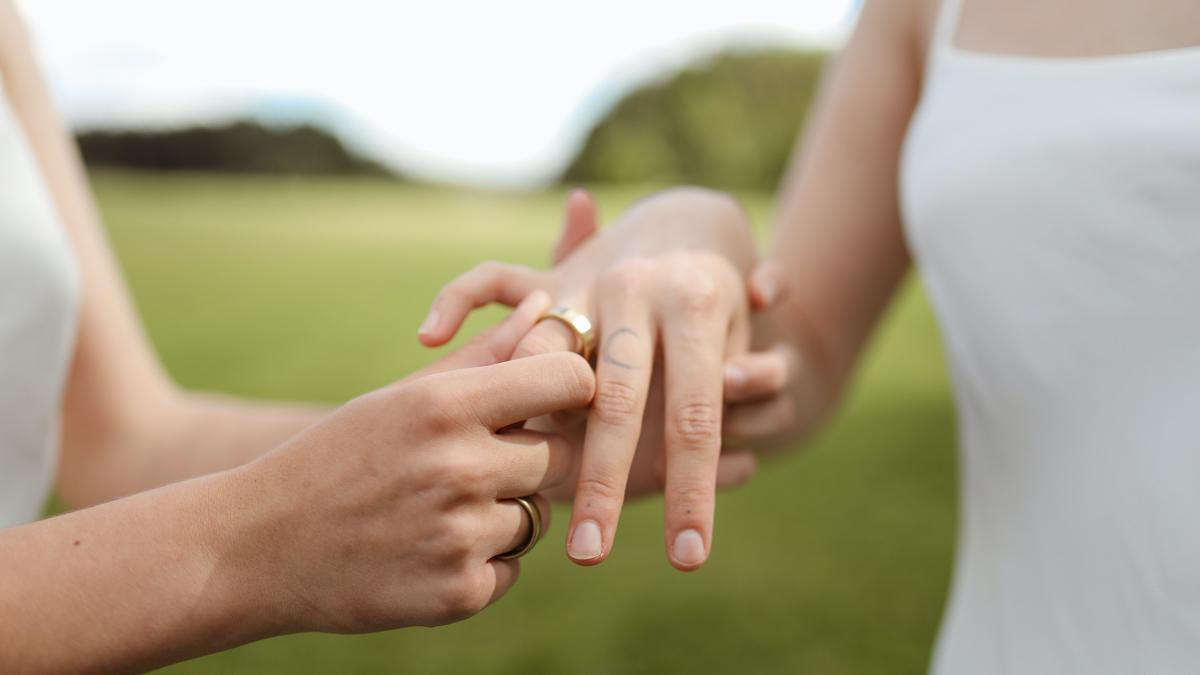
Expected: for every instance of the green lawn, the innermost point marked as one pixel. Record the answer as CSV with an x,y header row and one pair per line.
x,y
833,560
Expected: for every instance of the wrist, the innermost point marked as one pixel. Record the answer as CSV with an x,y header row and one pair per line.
x,y
690,218
250,600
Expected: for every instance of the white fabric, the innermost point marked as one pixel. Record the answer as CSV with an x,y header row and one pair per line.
x,y
38,297
1053,206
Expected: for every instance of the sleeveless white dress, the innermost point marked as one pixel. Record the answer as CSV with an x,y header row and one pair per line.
x,y
1053,208
38,298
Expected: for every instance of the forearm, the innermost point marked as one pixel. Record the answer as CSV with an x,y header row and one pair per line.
x,y
171,436
212,432
130,585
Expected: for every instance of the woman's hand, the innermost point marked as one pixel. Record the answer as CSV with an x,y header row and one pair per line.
x,y
391,512
663,275
769,394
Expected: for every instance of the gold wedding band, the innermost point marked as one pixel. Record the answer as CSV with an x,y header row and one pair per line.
x,y
579,324
535,529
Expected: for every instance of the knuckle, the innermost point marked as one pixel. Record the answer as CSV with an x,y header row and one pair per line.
x,y
463,596
627,275
696,426
458,475
616,402
489,268
461,532
699,293
578,380
600,487
455,543
439,420
487,273
439,409
494,275
537,342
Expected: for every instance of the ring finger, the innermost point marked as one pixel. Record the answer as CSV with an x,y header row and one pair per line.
x,y
509,526
623,369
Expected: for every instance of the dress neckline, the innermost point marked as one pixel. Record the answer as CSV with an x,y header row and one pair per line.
x,y
1153,57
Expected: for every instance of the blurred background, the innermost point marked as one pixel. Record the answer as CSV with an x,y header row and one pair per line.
x,y
288,184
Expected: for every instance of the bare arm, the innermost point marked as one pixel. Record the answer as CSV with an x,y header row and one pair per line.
x,y
127,426
387,513
838,250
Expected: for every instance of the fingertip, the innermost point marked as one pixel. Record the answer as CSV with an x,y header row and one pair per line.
x,y
763,286
688,551
585,544
428,327
577,195
430,339
735,377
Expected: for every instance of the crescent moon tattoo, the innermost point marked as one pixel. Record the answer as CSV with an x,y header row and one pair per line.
x,y
608,344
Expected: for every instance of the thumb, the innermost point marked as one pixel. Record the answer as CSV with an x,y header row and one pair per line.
x,y
581,222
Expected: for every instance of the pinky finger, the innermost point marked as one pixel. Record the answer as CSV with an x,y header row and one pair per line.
x,y
760,423
735,468
757,375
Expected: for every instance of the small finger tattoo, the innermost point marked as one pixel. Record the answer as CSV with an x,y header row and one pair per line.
x,y
612,340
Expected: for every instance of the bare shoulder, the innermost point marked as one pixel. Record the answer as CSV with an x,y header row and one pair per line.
x,y
12,31
10,18
897,27
923,21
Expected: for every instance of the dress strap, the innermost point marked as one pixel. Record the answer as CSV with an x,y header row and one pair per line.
x,y
947,23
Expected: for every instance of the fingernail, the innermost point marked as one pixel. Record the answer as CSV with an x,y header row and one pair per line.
x,y
585,541
430,323
689,548
735,376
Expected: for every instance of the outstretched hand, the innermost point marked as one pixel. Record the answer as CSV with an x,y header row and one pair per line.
x,y
671,274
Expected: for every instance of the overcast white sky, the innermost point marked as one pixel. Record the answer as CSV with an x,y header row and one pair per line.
x,y
476,92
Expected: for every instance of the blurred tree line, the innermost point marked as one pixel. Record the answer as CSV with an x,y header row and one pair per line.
x,y
245,147
728,123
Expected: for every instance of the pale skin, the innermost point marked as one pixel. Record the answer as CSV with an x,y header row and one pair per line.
x,y
196,566
837,258
387,512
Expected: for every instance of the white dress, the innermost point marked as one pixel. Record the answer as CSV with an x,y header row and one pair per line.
x,y
38,298
1053,207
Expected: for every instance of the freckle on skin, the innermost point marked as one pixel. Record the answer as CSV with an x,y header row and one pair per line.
x,y
76,542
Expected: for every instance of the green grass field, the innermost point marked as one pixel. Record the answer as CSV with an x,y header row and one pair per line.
x,y
835,559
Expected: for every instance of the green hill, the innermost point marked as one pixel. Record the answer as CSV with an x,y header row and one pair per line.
x,y
727,123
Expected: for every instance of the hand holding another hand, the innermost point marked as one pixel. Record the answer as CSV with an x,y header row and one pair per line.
x,y
669,274
392,511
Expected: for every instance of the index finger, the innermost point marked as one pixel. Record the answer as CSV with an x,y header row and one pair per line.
x,y
506,393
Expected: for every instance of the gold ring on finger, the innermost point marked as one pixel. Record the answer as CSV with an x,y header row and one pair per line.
x,y
535,529
579,324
